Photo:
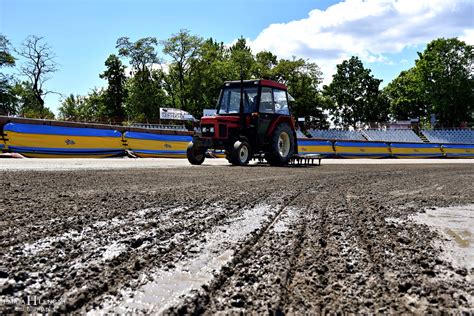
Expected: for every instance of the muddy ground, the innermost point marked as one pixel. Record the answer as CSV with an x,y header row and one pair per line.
x,y
219,238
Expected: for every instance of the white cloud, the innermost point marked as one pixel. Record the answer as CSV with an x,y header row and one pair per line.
x,y
369,29
468,36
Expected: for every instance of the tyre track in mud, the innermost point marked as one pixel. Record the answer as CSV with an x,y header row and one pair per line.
x,y
236,275
104,274
301,286
188,249
367,231
330,254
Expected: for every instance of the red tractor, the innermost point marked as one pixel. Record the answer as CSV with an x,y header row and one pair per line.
x,y
253,120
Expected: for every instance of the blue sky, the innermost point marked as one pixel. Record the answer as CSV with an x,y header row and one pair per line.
x,y
385,34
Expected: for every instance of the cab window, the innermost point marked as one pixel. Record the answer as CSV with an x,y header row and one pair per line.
x,y
266,101
230,100
281,102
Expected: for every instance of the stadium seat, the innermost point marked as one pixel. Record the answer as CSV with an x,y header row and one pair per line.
x,y
392,135
299,134
336,134
460,136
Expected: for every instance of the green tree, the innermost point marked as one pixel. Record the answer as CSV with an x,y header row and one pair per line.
x,y
142,53
407,96
303,79
27,103
7,98
115,94
210,69
241,60
145,96
356,98
264,65
69,109
183,48
145,93
447,76
92,108
6,58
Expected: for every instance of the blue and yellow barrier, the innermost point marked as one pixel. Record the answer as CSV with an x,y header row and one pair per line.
x,y
458,151
157,145
46,141
416,150
3,144
349,149
321,147
218,153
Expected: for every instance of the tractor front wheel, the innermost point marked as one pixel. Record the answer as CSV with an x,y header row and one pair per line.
x,y
241,153
195,154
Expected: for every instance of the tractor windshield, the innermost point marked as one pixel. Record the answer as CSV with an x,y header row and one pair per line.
x,y
230,100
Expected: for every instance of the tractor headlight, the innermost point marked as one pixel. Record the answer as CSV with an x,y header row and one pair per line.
x,y
204,129
212,129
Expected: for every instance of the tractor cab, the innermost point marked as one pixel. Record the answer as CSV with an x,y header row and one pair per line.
x,y
253,119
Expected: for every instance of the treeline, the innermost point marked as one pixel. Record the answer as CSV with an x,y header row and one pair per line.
x,y
187,71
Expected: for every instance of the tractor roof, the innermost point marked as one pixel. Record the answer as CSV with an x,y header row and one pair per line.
x,y
261,82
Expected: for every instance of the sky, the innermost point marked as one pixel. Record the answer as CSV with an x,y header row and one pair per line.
x,y
386,35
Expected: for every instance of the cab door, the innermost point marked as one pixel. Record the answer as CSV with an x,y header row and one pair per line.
x,y
266,114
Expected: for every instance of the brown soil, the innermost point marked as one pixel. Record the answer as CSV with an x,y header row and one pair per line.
x,y
329,239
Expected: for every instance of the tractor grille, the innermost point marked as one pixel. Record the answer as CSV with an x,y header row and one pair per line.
x,y
222,131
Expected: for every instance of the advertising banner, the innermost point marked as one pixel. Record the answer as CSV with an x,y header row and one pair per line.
x,y
175,114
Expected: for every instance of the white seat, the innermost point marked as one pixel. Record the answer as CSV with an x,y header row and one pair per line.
x,y
450,136
393,135
336,134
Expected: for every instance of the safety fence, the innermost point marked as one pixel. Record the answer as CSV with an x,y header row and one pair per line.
x,y
57,140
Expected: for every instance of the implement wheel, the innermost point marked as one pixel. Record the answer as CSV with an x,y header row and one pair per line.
x,y
282,146
195,154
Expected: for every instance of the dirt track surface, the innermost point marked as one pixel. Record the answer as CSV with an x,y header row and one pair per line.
x,y
256,239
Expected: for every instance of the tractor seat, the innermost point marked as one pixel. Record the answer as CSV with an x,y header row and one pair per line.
x,y
266,107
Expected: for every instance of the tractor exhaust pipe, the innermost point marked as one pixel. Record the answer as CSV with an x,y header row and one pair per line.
x,y
241,110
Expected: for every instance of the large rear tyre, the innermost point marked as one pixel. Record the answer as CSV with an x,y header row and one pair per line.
x,y
241,153
195,154
282,146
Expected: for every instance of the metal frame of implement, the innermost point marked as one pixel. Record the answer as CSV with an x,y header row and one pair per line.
x,y
298,160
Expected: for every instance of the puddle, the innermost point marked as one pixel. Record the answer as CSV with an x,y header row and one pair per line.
x,y
167,287
457,224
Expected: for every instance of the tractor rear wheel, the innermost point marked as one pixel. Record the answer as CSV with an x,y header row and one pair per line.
x,y
195,154
282,146
241,153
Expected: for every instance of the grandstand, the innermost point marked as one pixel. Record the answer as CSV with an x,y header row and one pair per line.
x,y
392,135
336,134
450,136
299,134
